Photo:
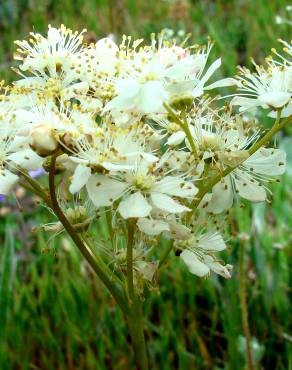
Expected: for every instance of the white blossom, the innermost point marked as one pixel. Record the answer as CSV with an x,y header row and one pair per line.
x,y
142,189
155,74
270,87
198,255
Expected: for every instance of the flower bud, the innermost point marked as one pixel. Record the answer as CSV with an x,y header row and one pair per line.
x,y
184,102
43,141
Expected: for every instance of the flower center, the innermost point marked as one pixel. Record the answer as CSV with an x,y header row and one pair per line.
x,y
143,182
211,142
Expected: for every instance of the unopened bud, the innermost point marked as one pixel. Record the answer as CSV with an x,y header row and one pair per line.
x,y
184,102
43,141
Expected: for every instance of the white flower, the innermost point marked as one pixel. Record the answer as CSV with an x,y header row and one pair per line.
x,y
248,180
54,62
269,88
219,141
142,189
15,154
58,121
151,226
198,255
51,53
109,148
64,87
158,73
99,64
161,222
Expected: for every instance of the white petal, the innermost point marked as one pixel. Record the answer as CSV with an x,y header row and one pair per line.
x,y
31,82
184,68
246,103
103,191
151,97
106,46
127,91
137,155
134,206
175,186
176,138
267,161
166,203
152,227
26,159
222,83
54,35
129,88
212,242
149,157
178,231
180,88
275,99
222,196
79,178
194,265
286,112
249,189
116,167
213,67
216,267
92,104
7,181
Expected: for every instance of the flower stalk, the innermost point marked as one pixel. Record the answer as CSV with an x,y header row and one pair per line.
x,y
98,266
136,328
243,305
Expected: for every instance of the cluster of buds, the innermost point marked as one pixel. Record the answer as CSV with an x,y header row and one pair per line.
x,y
136,136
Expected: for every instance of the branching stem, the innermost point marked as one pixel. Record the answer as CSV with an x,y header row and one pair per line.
x,y
98,266
184,125
213,181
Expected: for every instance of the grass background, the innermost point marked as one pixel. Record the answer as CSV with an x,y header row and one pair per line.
x,y
54,315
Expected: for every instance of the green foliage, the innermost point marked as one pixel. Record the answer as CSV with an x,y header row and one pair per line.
x,y
53,312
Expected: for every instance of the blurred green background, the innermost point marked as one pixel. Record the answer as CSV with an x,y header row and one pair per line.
x,y
54,315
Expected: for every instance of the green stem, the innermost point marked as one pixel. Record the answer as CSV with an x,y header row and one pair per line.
x,y
184,125
136,327
267,138
130,245
135,318
165,254
243,306
30,189
99,268
35,187
109,221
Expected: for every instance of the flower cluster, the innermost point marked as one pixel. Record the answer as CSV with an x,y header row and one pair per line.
x,y
137,138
